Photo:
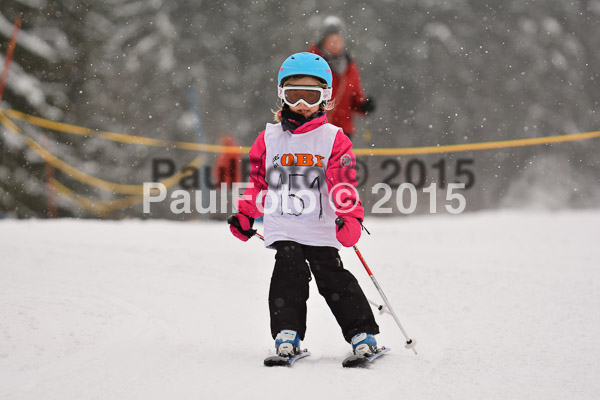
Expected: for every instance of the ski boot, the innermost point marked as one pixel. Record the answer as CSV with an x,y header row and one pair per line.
x,y
364,344
287,343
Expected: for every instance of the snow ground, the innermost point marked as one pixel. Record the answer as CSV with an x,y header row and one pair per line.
x,y
502,305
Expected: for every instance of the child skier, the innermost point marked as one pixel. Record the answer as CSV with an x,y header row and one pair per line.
x,y
302,176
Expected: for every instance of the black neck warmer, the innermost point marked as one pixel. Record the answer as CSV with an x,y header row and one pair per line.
x,y
291,120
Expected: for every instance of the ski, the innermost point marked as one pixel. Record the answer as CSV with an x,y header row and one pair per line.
x,y
355,361
279,361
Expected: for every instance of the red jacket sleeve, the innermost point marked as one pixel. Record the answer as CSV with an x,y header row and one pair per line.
x,y
355,87
341,178
247,203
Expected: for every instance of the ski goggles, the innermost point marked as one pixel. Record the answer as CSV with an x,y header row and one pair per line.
x,y
309,95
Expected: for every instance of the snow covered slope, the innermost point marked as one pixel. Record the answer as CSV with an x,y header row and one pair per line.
x,y
502,305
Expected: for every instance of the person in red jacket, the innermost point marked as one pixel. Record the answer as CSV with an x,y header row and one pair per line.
x,y
348,95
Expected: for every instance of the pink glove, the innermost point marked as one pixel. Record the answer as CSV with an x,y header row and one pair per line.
x,y
347,230
240,225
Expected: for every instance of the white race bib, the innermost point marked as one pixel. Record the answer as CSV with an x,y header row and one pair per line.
x,y
297,205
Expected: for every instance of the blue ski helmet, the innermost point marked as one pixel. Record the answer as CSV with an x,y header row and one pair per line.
x,y
305,64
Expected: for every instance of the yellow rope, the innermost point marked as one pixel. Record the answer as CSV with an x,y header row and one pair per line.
x,y
99,208
135,191
211,148
455,148
121,137
80,176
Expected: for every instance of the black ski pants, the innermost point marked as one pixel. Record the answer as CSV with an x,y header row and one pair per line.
x,y
289,290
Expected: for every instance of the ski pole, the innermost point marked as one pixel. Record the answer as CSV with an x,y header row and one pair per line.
x,y
380,307
410,344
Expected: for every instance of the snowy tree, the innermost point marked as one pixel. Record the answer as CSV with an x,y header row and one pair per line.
x,y
442,72
37,83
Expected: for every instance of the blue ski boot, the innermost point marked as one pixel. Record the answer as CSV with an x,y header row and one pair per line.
x,y
287,343
364,344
